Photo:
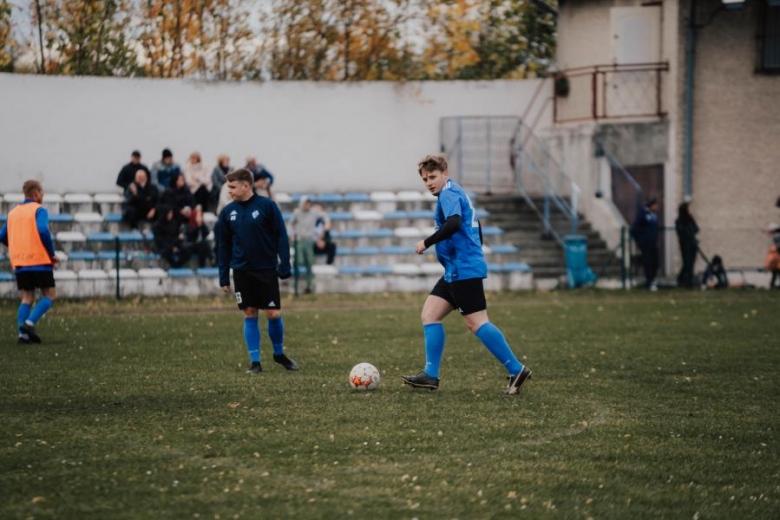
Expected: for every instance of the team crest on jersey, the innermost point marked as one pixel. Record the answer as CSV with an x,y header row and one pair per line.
x,y
233,215
255,214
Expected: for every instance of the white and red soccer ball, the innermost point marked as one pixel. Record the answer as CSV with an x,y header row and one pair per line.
x,y
364,376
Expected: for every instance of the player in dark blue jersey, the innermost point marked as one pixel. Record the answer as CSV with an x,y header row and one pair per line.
x,y
458,244
252,240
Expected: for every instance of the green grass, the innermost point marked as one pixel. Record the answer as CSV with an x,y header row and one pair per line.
x,y
641,406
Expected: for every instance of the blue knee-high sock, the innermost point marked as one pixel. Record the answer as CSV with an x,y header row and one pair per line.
x,y
24,313
40,309
252,337
276,333
497,345
434,348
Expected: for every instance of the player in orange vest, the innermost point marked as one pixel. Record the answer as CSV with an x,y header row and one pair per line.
x,y
31,250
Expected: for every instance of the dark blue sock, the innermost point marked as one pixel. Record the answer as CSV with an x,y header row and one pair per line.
x,y
24,313
497,345
252,337
40,309
276,333
434,348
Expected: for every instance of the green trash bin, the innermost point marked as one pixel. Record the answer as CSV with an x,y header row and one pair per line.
x,y
578,273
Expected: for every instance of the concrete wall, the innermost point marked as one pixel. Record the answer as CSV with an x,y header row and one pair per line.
x,y
76,133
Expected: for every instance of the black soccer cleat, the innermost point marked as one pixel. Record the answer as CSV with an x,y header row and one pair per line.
x,y
23,340
30,331
422,380
255,368
286,362
516,382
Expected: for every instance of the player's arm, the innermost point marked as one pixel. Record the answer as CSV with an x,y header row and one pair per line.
x,y
4,235
451,208
224,240
42,222
282,245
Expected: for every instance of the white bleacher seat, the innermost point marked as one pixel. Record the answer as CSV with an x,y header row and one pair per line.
x,y
486,249
71,236
432,268
93,274
61,256
13,198
154,272
125,274
88,218
283,198
408,232
324,270
52,198
383,196
211,235
65,274
209,218
427,195
109,198
406,269
78,198
410,196
367,215
427,231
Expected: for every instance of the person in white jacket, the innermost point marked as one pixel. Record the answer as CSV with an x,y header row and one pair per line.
x,y
198,180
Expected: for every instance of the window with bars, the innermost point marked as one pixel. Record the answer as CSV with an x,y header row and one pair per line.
x,y
769,38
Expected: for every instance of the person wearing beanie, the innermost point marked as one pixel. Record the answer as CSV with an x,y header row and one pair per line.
x,y
164,169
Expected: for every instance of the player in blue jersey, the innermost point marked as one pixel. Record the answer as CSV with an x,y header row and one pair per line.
x,y
252,240
458,241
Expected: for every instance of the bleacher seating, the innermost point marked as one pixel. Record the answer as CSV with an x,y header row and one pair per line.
x,y
375,235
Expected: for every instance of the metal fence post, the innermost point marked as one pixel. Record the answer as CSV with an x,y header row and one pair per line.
x,y
116,261
623,257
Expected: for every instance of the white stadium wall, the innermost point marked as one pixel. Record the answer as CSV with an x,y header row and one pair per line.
x,y
74,134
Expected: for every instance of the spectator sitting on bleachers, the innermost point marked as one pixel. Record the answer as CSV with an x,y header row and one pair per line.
x,y
218,178
196,234
127,173
140,200
303,223
263,178
323,244
179,197
164,169
198,180
168,239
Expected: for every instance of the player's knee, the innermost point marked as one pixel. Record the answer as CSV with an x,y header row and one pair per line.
x,y
273,314
250,312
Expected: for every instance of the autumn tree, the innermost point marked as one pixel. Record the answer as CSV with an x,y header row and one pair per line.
x,y
7,43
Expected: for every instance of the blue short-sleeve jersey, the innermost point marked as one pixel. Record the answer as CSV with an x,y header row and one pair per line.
x,y
461,254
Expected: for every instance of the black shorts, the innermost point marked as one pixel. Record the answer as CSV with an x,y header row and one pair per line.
x,y
468,296
31,280
258,289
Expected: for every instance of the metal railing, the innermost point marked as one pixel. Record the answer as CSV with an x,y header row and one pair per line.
x,y
614,91
542,181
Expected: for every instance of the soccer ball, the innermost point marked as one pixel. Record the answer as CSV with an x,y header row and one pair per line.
x,y
364,376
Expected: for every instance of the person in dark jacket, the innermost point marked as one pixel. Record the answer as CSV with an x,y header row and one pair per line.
x,y
686,228
196,234
252,240
645,233
168,239
218,178
179,197
164,169
140,200
127,173
715,275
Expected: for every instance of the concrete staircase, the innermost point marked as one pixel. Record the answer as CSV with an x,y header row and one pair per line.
x,y
524,229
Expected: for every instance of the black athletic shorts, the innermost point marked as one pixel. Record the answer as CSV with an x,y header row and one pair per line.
x,y
258,289
31,280
468,296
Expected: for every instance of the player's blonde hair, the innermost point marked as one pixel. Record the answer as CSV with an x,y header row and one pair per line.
x,y
431,163
31,187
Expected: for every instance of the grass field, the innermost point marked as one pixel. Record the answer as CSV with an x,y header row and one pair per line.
x,y
642,406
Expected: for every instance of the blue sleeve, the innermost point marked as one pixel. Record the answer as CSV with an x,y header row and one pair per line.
x,y
42,221
4,234
224,249
450,204
270,175
282,243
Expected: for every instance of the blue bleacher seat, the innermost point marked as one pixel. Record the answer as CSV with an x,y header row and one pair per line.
x,y
352,233
111,255
180,272
397,250
3,217
381,233
296,197
208,272
87,256
495,268
113,218
301,270
482,213
7,277
396,215
143,256
350,269
100,237
515,267
344,251
357,197
421,214
60,217
504,249
130,236
329,197
341,215
378,269
366,250
492,231
286,216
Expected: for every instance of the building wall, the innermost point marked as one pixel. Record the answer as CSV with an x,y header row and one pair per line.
x,y
76,133
736,138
